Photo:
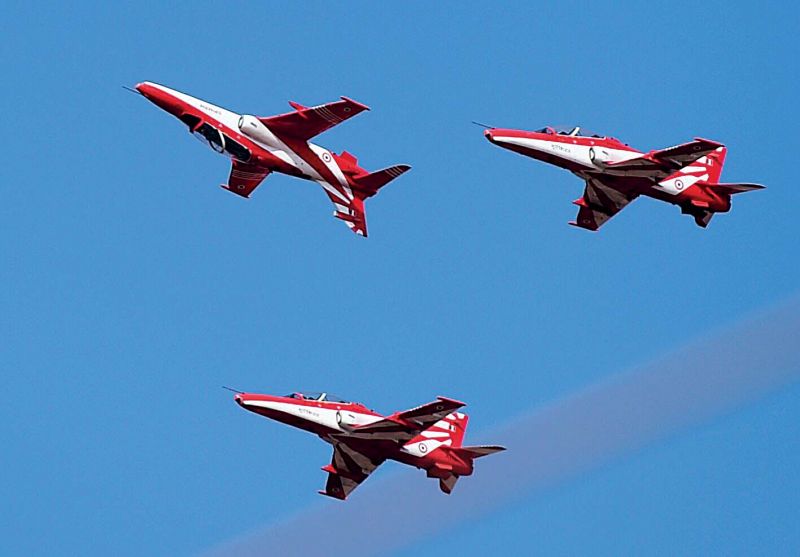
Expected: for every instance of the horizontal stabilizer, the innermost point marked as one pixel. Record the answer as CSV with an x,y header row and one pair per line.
x,y
369,184
731,189
478,451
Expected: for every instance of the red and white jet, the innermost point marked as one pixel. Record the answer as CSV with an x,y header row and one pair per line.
x,y
686,175
428,436
261,145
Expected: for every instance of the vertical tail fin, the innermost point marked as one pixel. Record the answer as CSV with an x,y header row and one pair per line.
x,y
446,433
361,185
706,169
702,171
457,427
449,429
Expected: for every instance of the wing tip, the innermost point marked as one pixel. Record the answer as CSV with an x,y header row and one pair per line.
x,y
332,496
577,225
230,189
362,106
451,400
709,141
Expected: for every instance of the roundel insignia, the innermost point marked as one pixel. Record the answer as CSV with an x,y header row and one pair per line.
x,y
240,186
438,407
423,448
678,185
326,157
346,109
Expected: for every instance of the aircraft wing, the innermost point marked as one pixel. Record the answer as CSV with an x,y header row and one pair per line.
x,y
403,426
305,123
245,178
348,468
669,159
598,204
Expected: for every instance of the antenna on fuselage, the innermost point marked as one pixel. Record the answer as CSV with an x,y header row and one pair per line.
x,y
131,90
482,125
232,390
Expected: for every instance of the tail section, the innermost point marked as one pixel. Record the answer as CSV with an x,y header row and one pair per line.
x,y
698,190
712,163
447,432
369,184
455,460
460,463
360,185
458,427
704,170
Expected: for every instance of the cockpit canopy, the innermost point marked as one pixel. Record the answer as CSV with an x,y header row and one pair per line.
x,y
319,397
574,131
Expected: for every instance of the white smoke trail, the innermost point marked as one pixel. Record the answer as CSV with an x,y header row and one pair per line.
x,y
614,417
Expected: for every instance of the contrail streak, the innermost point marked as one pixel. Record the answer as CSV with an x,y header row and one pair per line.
x,y
553,443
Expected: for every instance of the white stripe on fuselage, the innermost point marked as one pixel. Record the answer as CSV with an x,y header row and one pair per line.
x,y
678,184
422,448
327,159
569,151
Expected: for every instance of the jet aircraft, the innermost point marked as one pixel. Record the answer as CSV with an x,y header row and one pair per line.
x,y
615,174
258,146
428,436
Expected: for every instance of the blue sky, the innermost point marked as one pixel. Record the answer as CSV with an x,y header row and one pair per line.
x,y
134,287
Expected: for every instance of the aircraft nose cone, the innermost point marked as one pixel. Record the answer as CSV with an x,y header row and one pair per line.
x,y
161,97
142,88
489,134
239,399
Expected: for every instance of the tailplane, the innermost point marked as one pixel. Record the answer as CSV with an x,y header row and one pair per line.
x,y
368,184
448,479
477,451
361,185
730,189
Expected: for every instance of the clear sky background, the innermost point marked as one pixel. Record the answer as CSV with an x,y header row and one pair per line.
x,y
133,287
